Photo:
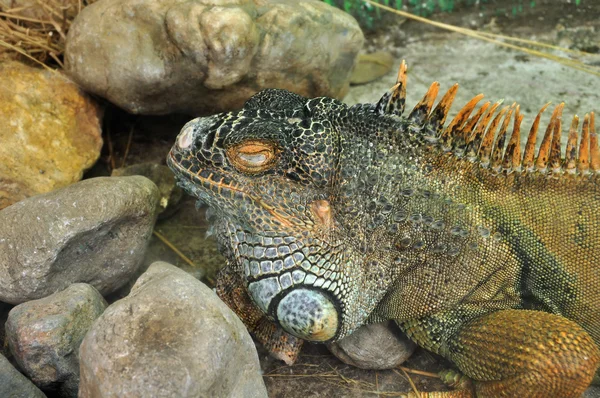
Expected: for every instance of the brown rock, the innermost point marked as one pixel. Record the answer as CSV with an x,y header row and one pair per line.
x,y
44,336
49,130
201,57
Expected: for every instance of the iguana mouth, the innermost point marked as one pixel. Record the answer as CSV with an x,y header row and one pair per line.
x,y
218,184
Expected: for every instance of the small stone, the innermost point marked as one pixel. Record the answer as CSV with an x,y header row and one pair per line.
x,y
14,385
95,231
162,176
50,132
370,67
171,337
376,346
44,336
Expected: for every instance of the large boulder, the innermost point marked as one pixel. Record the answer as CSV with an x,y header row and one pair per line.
x,y
207,56
171,337
50,132
44,336
95,231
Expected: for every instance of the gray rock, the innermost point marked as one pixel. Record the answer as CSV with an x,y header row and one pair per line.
x,y
14,385
592,392
201,57
171,337
377,346
44,336
162,176
94,231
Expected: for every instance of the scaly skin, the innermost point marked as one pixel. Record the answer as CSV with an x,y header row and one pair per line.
x,y
332,217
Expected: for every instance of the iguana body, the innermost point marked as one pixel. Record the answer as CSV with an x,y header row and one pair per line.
x,y
333,216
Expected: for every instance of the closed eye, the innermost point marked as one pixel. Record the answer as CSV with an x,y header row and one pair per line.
x,y
253,156
256,159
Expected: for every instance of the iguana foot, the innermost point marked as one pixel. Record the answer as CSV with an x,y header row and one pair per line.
x,y
463,387
282,345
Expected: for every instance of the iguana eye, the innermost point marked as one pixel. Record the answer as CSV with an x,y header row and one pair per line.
x,y
252,156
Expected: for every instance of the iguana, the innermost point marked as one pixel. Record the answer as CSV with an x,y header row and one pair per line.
x,y
482,251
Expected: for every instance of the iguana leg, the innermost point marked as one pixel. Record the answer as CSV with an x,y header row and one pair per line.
x,y
232,290
513,353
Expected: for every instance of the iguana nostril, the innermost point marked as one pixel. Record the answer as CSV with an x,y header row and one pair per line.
x,y
308,314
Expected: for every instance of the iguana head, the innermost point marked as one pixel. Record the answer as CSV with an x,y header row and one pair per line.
x,y
271,174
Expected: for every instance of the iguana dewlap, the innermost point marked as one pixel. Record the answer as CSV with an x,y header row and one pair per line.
x,y
483,251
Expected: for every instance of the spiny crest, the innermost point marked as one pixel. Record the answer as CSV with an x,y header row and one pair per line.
x,y
482,137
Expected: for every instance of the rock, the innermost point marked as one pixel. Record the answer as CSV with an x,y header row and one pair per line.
x,y
171,337
201,57
14,385
376,346
162,176
50,132
95,231
44,336
371,67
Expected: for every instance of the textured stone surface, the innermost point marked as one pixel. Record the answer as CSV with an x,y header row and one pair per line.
x,y
377,346
50,132
170,194
95,231
44,336
171,337
14,385
200,57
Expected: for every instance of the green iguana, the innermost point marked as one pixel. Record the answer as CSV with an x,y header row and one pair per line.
x,y
332,217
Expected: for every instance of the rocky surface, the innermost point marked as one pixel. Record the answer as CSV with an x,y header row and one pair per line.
x,y
170,194
95,231
202,57
171,337
377,346
44,336
50,132
14,385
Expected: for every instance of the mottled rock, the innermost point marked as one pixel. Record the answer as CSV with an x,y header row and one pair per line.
x,y
162,176
377,346
44,336
171,337
50,132
14,385
201,57
95,231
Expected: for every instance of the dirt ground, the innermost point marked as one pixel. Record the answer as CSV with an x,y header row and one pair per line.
x,y
432,54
